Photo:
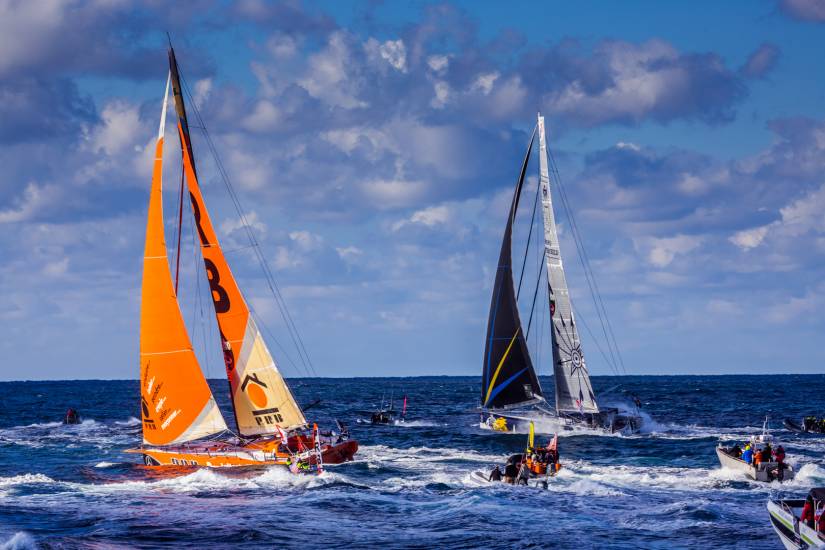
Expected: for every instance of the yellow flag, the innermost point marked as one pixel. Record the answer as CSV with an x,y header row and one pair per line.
x,y
531,436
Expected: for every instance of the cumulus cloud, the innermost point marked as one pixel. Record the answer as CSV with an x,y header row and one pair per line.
x,y
660,252
806,10
750,238
34,200
761,61
622,82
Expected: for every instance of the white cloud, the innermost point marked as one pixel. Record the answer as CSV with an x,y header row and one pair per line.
x,y
232,225
429,217
306,241
265,117
120,128
393,193
349,253
394,52
660,252
327,76
442,95
56,268
35,198
750,238
438,63
484,83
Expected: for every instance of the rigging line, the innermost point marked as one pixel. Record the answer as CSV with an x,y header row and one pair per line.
x,y
590,278
596,342
529,238
584,260
533,307
180,223
272,337
577,235
270,279
284,310
199,300
542,334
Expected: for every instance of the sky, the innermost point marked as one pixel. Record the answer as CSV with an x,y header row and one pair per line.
x,y
374,147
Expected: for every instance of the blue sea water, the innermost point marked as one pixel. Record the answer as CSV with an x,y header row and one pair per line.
x,y
410,485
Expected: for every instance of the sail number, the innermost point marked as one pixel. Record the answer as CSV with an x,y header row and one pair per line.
x,y
219,294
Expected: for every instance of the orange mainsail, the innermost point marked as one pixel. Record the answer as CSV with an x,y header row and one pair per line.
x,y
177,404
260,397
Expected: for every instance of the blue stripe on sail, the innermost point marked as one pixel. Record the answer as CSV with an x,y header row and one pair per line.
x,y
504,385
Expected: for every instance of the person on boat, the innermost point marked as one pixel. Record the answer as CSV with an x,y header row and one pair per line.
x,y
523,474
779,456
747,454
72,417
819,517
767,453
807,516
736,451
510,472
495,475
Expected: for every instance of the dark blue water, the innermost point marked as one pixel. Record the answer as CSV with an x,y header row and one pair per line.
x,y
73,487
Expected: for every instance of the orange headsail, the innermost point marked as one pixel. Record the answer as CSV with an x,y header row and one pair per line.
x,y
261,399
177,404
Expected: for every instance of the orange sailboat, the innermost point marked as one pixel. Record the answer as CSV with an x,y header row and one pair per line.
x,y
182,424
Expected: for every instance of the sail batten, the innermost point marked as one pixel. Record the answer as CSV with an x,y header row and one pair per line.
x,y
261,400
509,378
574,392
176,402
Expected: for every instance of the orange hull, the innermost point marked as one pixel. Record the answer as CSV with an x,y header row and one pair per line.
x,y
219,454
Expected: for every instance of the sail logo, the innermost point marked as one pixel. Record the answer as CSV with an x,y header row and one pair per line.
x,y
148,423
253,387
268,416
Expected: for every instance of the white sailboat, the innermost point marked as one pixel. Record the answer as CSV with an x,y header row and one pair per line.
x,y
511,395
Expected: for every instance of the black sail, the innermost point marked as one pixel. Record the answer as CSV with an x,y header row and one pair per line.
x,y
508,378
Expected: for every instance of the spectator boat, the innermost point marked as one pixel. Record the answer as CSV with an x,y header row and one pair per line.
x,y
786,521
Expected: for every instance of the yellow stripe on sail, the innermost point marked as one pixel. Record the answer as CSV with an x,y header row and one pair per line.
x,y
500,364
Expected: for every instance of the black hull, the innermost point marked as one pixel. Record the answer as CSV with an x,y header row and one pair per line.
x,y
797,427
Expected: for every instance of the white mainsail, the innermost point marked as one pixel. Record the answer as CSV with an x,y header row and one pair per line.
x,y
573,390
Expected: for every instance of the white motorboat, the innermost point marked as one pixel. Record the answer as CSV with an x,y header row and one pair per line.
x,y
785,519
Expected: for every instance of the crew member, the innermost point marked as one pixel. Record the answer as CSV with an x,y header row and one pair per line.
x,y
523,474
767,453
495,475
510,472
747,454
807,516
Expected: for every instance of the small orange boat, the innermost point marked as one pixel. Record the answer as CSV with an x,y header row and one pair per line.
x,y
182,424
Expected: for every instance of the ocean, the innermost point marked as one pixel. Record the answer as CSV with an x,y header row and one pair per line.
x,y
410,485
